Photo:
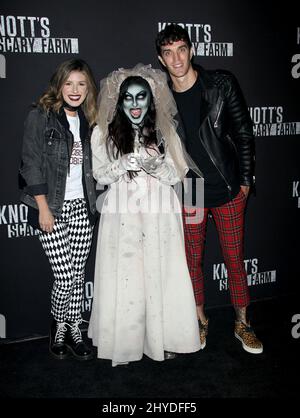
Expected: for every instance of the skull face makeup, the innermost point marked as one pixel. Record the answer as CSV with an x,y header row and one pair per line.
x,y
136,102
111,111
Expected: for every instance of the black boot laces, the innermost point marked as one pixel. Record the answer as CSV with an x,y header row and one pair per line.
x,y
60,333
75,332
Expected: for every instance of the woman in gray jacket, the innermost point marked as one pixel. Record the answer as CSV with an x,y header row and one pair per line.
x,y
60,194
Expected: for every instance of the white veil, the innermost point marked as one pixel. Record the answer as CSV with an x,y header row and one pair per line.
x,y
165,126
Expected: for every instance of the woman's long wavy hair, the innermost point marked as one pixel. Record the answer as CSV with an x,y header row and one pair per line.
x,y
52,98
120,131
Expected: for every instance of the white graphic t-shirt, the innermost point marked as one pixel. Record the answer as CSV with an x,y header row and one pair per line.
x,y
74,187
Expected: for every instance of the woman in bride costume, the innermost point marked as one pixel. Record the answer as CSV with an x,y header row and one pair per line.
x,y
143,296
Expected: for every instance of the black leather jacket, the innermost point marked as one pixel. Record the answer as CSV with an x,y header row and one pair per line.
x,y
47,147
226,128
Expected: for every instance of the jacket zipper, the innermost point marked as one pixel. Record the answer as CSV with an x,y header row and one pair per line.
x,y
218,115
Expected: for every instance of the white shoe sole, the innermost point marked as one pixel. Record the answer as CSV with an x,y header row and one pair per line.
x,y
248,349
202,346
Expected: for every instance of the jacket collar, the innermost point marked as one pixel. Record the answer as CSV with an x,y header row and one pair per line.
x,y
84,127
206,85
206,80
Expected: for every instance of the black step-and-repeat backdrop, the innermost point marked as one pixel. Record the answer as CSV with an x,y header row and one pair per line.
x,y
257,41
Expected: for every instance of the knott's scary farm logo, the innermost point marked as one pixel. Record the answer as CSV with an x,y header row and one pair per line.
x,y
296,192
31,34
254,276
14,219
268,121
201,38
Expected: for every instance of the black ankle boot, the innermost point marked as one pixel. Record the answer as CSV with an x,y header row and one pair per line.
x,y
75,343
57,346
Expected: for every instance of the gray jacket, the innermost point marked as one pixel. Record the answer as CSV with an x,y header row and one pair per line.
x,y
47,147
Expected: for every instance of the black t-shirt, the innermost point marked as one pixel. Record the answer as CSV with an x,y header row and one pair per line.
x,y
189,107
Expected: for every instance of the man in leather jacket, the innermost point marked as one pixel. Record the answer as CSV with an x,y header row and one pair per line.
x,y
217,133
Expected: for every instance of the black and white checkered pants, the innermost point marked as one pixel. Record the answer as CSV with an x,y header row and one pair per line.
x,y
67,248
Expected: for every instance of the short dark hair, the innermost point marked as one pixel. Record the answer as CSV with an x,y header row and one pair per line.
x,y
172,33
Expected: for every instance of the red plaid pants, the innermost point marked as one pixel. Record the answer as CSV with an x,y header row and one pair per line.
x,y
229,220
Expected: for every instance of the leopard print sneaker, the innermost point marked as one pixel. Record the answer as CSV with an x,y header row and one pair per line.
x,y
245,334
203,331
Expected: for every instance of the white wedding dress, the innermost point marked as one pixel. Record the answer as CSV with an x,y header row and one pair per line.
x,y
143,297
